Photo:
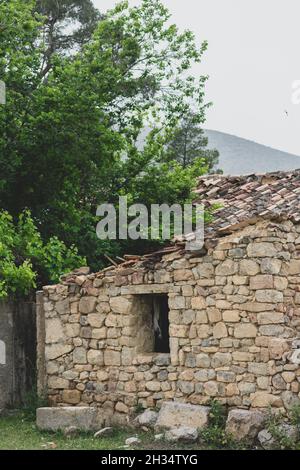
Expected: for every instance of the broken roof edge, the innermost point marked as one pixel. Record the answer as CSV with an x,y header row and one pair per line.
x,y
148,260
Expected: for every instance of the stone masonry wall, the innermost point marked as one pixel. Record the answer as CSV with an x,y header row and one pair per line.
x,y
234,329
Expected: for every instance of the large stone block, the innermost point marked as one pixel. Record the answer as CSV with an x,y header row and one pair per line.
x,y
294,267
269,295
248,267
55,419
54,331
120,305
112,358
53,351
245,330
244,424
261,250
176,415
263,281
87,305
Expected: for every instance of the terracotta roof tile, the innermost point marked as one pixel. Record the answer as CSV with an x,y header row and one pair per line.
x,y
245,197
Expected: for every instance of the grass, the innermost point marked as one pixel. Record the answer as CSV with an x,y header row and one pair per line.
x,y
19,432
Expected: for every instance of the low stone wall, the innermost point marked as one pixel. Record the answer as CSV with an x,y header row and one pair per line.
x,y
234,329
17,352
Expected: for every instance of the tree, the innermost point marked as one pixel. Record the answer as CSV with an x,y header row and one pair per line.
x,y
26,262
189,143
70,142
67,26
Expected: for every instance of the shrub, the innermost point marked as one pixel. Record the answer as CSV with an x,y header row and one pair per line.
x,y
26,261
215,435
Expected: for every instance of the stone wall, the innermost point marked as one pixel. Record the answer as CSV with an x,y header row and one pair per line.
x,y
234,329
17,352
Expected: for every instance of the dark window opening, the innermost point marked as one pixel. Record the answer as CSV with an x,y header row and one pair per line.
x,y
152,312
161,324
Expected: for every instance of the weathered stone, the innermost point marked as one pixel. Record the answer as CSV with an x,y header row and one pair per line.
x,y
261,250
57,383
185,434
295,357
57,419
286,431
257,368
264,400
220,330
120,305
62,307
227,268
198,303
71,397
278,382
132,441
211,388
290,400
96,320
121,407
182,274
268,318
221,360
266,440
244,424
72,330
270,295
148,418
201,317
55,351
270,266
231,316
162,360
80,355
205,270
214,315
153,386
186,387
54,332
245,330
225,376
249,267
178,331
95,357
263,281
202,360
112,358
294,267
176,415
87,305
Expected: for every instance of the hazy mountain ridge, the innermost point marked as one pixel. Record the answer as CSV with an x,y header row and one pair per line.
x,y
240,156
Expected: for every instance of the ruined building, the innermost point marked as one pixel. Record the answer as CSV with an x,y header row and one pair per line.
x,y
184,326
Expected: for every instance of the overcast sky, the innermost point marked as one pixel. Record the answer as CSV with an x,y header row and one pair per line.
x,y
252,60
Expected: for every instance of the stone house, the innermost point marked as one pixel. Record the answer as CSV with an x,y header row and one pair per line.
x,y
182,326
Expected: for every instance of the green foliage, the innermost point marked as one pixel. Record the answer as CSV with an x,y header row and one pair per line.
x,y
69,131
274,426
189,144
26,261
31,402
214,435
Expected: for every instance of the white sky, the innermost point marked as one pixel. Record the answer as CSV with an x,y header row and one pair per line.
x,y
252,60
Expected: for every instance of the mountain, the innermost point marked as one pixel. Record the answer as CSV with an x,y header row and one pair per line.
x,y
241,156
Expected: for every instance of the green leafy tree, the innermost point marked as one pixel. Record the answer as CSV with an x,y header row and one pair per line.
x,y
190,143
26,261
67,26
70,142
